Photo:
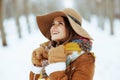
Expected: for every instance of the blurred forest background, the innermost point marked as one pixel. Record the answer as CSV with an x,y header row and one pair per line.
x,y
103,9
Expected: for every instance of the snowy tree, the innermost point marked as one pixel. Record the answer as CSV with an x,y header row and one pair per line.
x,y
4,43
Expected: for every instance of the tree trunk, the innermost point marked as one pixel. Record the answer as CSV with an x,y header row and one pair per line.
x,y
111,16
100,13
26,12
16,16
4,43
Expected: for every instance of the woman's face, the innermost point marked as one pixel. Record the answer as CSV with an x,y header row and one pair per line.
x,y
58,30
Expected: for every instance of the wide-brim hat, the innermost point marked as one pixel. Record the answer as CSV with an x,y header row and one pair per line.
x,y
45,21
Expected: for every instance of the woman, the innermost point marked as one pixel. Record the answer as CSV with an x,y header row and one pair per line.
x,y
66,56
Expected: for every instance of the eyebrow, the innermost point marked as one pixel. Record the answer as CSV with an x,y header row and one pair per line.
x,y
59,21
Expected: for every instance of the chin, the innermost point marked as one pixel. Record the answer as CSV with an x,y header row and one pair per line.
x,y
55,39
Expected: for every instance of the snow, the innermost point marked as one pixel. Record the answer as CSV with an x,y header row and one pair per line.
x,y
15,59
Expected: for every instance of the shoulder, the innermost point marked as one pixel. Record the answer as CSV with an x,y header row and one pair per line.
x,y
87,57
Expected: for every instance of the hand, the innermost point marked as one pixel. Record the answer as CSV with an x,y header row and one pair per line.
x,y
57,54
37,56
56,59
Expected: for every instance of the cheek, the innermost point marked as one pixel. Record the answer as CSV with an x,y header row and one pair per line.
x,y
63,33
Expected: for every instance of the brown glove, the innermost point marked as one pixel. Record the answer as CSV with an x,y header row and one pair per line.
x,y
37,56
57,54
38,61
56,59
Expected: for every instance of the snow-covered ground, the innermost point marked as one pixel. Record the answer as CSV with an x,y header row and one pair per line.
x,y
15,59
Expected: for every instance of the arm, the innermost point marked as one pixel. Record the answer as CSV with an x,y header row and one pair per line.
x,y
83,71
57,63
85,67
36,67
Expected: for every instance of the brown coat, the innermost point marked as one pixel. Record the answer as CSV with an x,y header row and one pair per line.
x,y
80,69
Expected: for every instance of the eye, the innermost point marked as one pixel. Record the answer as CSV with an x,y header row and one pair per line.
x,y
61,23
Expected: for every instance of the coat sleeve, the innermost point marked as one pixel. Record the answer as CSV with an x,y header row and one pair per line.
x,y
81,69
85,69
38,55
36,66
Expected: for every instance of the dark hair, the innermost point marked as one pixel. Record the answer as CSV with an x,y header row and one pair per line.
x,y
67,23
71,33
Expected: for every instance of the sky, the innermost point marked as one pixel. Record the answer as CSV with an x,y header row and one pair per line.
x,y
15,59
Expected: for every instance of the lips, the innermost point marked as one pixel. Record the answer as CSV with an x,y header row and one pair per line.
x,y
54,32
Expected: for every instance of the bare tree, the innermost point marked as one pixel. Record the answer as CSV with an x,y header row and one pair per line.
x,y
84,10
35,6
4,43
26,12
16,16
111,16
100,4
117,9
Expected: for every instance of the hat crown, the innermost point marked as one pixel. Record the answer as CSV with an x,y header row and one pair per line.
x,y
73,13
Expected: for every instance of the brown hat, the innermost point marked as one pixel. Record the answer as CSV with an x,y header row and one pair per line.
x,y
45,21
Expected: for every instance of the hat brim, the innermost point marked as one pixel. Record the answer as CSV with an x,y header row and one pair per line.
x,y
45,22
79,29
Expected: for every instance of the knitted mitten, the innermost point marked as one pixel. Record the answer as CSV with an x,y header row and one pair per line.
x,y
36,63
56,59
39,60
57,55
37,56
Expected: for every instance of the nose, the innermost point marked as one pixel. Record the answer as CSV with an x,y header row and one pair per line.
x,y
53,27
